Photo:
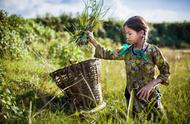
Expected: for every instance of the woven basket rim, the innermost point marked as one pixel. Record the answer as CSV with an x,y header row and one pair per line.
x,y
73,65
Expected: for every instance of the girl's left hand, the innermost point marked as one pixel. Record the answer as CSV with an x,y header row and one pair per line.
x,y
145,91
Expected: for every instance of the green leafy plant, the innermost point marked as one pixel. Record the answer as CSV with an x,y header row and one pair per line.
x,y
9,109
2,74
88,20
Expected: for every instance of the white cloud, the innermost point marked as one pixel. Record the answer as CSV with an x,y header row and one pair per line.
x,y
32,8
56,9
160,15
118,9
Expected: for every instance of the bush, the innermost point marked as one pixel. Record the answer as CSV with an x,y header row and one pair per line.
x,y
11,44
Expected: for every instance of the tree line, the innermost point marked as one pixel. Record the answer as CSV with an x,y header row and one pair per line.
x,y
174,35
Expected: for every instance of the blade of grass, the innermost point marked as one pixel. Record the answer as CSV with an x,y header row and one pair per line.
x,y
130,107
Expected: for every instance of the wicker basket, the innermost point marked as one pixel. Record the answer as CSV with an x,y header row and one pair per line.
x,y
81,84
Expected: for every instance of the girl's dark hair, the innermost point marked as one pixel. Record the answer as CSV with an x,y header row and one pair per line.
x,y
137,23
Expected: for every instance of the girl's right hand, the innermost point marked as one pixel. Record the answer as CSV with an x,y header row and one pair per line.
x,y
91,38
90,35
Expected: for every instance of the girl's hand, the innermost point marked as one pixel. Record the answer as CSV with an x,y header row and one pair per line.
x,y
92,40
90,34
145,91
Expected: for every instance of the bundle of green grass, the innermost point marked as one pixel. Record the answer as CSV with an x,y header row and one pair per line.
x,y
90,16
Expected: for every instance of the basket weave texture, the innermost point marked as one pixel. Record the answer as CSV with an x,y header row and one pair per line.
x,y
81,84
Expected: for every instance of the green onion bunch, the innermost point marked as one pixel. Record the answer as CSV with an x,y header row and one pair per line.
x,y
90,16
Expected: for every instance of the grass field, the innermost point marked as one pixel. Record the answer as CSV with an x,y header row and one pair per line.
x,y
31,78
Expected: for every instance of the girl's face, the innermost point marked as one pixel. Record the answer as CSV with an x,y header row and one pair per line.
x,y
132,36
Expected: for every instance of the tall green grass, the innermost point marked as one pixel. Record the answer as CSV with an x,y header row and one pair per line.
x,y
23,76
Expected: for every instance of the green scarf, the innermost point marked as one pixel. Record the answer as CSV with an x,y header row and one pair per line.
x,y
139,53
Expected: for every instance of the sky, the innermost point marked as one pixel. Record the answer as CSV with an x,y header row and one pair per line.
x,y
151,10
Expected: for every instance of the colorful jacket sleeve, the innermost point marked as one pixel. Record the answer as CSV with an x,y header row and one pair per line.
x,y
162,65
101,52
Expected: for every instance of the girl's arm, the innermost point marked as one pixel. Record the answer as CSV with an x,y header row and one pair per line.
x,y
162,65
162,78
101,52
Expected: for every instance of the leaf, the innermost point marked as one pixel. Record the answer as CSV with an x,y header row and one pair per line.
x,y
130,107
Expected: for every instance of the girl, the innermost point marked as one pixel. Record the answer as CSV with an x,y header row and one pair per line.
x,y
140,59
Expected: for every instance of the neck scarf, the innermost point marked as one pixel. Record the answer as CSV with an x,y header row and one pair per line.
x,y
139,53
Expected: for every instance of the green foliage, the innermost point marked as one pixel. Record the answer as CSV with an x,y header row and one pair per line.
x,y
77,27
176,96
67,54
11,44
21,38
113,30
171,34
2,74
9,110
63,23
88,20
175,35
